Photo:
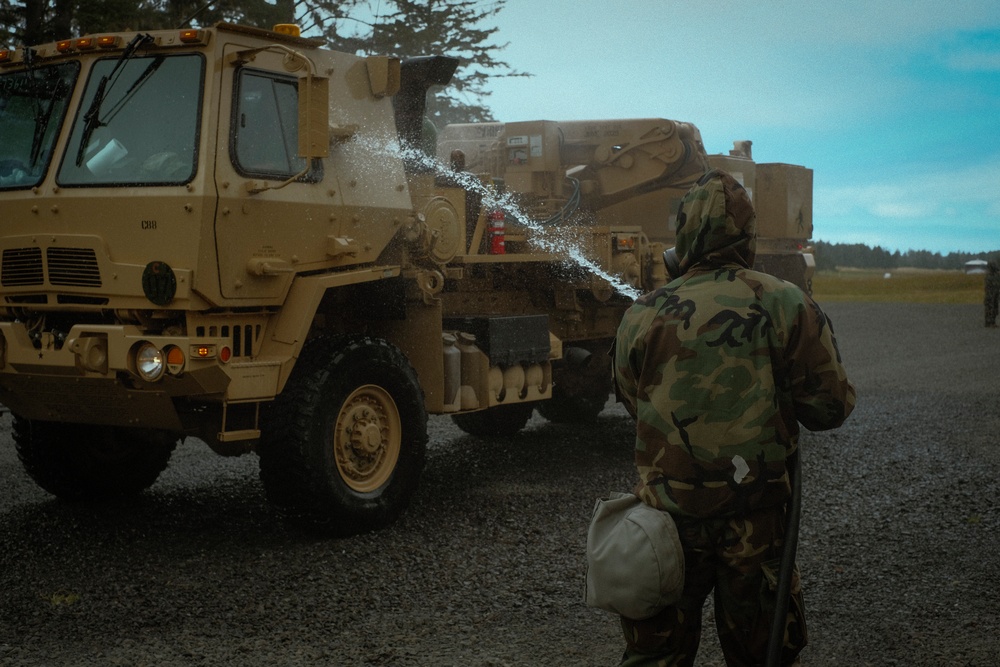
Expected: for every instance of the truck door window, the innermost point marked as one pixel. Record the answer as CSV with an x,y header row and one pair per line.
x,y
265,127
33,104
147,125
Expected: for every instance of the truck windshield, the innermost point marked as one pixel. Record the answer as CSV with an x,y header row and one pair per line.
x,y
33,105
144,128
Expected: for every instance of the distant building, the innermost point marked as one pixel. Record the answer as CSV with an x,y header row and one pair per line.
x,y
974,266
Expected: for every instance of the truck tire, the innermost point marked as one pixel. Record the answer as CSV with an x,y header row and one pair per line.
x,y
500,421
343,446
78,462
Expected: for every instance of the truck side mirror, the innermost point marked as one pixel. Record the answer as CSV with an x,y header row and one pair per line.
x,y
383,75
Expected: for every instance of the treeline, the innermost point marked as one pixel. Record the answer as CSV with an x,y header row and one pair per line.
x,y
403,28
830,256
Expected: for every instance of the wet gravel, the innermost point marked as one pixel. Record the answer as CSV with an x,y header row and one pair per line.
x,y
899,550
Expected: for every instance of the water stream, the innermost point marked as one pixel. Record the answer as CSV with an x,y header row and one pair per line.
x,y
551,238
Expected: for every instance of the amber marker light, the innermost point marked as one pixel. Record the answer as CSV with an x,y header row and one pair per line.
x,y
625,243
190,36
64,46
288,29
108,41
203,351
4,56
85,43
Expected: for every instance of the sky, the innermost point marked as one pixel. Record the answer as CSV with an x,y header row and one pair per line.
x,y
894,104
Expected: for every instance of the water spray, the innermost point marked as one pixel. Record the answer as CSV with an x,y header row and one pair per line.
x,y
544,234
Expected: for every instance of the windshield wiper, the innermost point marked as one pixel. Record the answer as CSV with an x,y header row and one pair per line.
x,y
92,119
41,117
146,73
42,124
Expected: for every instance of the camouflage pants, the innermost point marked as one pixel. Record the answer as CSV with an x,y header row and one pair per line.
x,y
740,559
991,298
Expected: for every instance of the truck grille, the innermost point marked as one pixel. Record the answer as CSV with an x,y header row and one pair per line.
x,y
21,267
68,267
75,267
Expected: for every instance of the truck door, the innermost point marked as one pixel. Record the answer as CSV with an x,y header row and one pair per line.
x,y
272,219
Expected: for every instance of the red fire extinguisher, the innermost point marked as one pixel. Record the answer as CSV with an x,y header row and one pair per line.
x,y
498,230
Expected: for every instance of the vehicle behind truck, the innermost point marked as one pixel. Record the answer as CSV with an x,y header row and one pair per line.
x,y
634,171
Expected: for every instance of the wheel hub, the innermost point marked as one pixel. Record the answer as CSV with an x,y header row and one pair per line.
x,y
367,438
366,432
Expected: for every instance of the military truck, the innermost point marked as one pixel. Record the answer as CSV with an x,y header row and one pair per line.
x,y
230,234
635,171
234,234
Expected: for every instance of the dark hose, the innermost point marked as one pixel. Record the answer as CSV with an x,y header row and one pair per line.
x,y
777,639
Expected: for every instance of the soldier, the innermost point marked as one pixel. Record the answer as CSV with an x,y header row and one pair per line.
x,y
992,289
719,367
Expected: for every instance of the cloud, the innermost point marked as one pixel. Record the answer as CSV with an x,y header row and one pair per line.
x,y
970,61
951,193
973,52
940,210
898,209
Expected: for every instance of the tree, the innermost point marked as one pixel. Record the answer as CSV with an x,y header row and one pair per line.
x,y
8,23
406,28
830,256
39,21
402,28
448,27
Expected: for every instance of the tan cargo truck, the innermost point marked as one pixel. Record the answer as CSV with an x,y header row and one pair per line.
x,y
634,172
214,233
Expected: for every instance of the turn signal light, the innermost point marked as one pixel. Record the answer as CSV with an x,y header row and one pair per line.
x,y
175,360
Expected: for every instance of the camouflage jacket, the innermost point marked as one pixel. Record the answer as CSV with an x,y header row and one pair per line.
x,y
721,365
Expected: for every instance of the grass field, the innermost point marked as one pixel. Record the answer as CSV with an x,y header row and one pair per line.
x,y
903,285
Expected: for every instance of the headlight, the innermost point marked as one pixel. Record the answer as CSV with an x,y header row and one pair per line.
x,y
149,362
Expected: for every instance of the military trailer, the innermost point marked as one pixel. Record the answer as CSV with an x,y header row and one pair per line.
x,y
634,171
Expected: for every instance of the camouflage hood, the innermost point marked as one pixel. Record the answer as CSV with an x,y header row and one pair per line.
x,y
716,224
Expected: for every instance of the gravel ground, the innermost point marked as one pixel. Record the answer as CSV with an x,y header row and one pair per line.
x,y
898,551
